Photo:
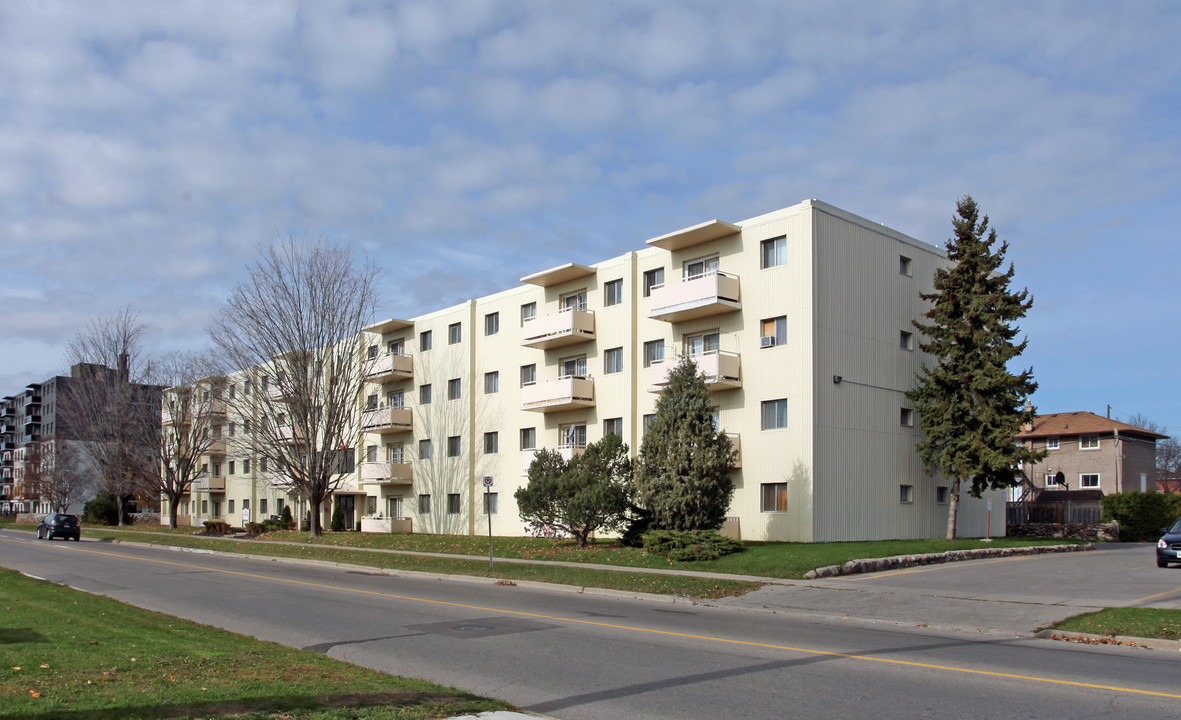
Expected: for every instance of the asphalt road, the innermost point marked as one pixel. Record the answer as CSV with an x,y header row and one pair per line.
x,y
576,656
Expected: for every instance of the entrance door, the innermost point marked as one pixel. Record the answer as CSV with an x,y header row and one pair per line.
x,y
348,506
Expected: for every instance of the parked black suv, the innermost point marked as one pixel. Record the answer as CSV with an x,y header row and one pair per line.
x,y
1168,548
59,525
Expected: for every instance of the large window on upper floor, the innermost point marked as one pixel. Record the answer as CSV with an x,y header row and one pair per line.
x,y
653,279
773,332
528,311
612,293
773,252
1088,442
454,333
574,301
613,361
774,414
701,267
424,341
653,352
573,366
528,374
492,323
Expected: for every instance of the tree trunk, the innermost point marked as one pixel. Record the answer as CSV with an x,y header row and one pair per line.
x,y
119,505
314,528
172,510
953,507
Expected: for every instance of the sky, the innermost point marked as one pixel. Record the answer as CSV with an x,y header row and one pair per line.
x,y
148,150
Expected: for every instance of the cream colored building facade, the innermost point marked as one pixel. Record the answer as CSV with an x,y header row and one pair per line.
x,y
799,319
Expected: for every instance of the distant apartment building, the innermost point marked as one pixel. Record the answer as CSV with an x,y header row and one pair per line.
x,y
39,426
1085,451
800,322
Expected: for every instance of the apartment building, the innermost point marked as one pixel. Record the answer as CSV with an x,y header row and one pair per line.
x,y
1085,451
799,320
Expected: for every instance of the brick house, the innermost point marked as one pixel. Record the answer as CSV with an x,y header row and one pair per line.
x,y
1086,451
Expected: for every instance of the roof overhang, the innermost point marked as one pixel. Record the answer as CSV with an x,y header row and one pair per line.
x,y
560,274
695,235
387,326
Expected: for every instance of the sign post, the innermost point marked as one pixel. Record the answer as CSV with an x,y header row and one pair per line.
x,y
488,512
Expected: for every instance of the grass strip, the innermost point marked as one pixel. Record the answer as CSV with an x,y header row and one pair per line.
x,y
695,587
69,655
1155,623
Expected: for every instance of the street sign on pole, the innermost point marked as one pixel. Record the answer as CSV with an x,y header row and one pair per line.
x,y
488,512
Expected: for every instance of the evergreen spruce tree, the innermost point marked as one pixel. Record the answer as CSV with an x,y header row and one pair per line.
x,y
970,406
683,470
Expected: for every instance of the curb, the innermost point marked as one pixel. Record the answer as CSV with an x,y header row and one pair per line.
x,y
1118,640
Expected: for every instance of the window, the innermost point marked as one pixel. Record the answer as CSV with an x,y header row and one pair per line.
x,y
572,436
648,420
231,467
217,508
204,507
246,504
396,399
906,493
491,443
906,417
233,429
904,265
653,352
424,394
613,361
491,382
424,504
233,389
454,333
1088,480
941,494
424,449
371,453
371,402
528,375
774,414
453,446
492,323
452,503
246,467
574,301
573,366
216,469
454,388
262,506
1052,443
703,344
774,497
653,279
613,426
279,504
528,312
262,464
490,503
372,352
613,293
906,340
248,426
230,507
396,347
1088,442
1051,480
700,268
424,341
774,252
528,438
773,332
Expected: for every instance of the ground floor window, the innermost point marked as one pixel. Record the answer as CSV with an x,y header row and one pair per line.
x,y
491,502
453,503
906,493
774,497
424,504
941,494
395,507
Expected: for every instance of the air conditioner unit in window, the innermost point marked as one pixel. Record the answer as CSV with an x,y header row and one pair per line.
x,y
767,341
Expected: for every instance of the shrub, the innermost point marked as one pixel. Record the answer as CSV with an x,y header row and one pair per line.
x,y
104,510
1141,515
285,518
690,545
216,527
338,518
254,529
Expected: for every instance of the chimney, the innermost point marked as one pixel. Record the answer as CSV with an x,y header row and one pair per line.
x,y
1028,425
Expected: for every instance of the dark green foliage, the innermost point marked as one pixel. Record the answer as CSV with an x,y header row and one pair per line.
x,y
1141,515
639,523
587,493
970,406
690,546
103,510
683,470
337,518
285,517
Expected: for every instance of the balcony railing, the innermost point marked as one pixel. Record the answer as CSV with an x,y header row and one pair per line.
x,y
212,408
566,327
389,367
217,446
208,483
565,393
387,473
721,371
289,434
695,297
387,420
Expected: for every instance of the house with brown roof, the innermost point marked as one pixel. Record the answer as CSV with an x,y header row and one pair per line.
x,y
1085,451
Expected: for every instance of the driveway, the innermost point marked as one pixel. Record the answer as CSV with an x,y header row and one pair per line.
x,y
1015,595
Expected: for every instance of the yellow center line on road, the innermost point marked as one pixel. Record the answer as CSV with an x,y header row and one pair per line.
x,y
648,631
1154,597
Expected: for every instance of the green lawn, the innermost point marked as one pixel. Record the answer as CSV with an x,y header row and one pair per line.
x,y
68,655
1132,622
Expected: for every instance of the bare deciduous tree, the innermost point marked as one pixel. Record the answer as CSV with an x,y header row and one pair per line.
x,y
1168,451
293,326
113,407
64,474
191,422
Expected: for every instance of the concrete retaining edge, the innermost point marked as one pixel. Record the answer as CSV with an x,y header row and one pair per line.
x,y
868,565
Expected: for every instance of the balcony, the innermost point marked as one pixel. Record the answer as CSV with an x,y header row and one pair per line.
x,y
208,483
720,369
168,417
566,327
212,408
696,297
216,447
387,473
566,393
289,434
32,420
389,367
387,420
